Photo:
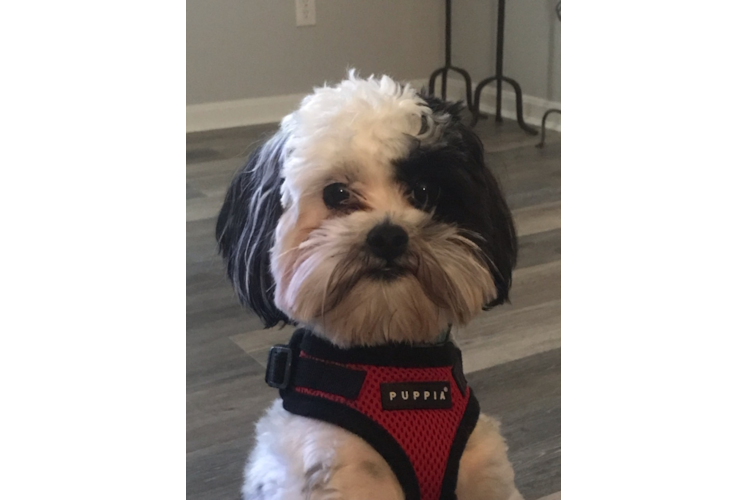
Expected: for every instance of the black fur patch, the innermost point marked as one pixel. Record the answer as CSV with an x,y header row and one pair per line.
x,y
469,195
246,227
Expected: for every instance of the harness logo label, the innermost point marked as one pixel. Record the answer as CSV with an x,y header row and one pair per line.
x,y
416,396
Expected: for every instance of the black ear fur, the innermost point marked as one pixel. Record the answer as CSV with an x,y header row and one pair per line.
x,y
477,202
246,229
500,234
501,241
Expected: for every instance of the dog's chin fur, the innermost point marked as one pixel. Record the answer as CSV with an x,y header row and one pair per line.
x,y
294,256
331,284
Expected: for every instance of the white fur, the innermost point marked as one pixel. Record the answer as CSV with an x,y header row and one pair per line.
x,y
357,123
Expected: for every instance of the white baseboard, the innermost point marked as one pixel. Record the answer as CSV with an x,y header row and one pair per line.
x,y
239,113
227,114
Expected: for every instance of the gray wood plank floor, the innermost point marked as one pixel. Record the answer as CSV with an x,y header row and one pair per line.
x,y
511,354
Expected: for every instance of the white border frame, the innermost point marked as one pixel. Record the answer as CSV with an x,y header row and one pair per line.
x,y
674,123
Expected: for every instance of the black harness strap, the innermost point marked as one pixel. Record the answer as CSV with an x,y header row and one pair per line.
x,y
284,367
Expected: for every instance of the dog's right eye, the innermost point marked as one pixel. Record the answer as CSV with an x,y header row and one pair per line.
x,y
335,195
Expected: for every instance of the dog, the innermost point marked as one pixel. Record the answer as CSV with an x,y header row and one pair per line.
x,y
370,221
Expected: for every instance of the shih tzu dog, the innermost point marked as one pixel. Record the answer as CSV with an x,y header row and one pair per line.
x,y
370,221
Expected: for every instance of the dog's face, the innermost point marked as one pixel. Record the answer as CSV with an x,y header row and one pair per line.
x,y
369,217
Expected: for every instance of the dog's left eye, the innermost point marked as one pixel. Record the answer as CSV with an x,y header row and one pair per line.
x,y
334,195
423,194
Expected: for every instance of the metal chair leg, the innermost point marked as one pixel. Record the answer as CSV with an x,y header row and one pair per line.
x,y
542,126
499,78
448,64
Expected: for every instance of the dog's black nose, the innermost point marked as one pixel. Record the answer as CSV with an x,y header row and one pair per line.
x,y
387,241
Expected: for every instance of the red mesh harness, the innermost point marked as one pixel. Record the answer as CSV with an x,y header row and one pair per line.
x,y
410,403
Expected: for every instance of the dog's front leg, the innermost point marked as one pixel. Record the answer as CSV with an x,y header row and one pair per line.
x,y
357,472
485,471
359,480
297,458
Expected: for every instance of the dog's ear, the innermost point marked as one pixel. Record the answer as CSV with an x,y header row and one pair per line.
x,y
478,203
499,235
246,229
501,238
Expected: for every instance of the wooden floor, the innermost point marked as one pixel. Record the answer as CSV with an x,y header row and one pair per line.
x,y
511,354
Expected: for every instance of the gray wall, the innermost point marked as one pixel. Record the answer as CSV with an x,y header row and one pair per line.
x,y
240,49
532,43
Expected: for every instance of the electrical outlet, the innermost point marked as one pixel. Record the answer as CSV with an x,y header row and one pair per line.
x,y
306,14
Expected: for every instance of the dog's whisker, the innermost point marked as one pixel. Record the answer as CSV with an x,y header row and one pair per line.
x,y
290,250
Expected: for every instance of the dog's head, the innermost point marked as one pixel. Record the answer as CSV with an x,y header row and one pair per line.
x,y
369,217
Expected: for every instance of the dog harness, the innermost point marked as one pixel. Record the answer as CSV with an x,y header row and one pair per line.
x,y
411,403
